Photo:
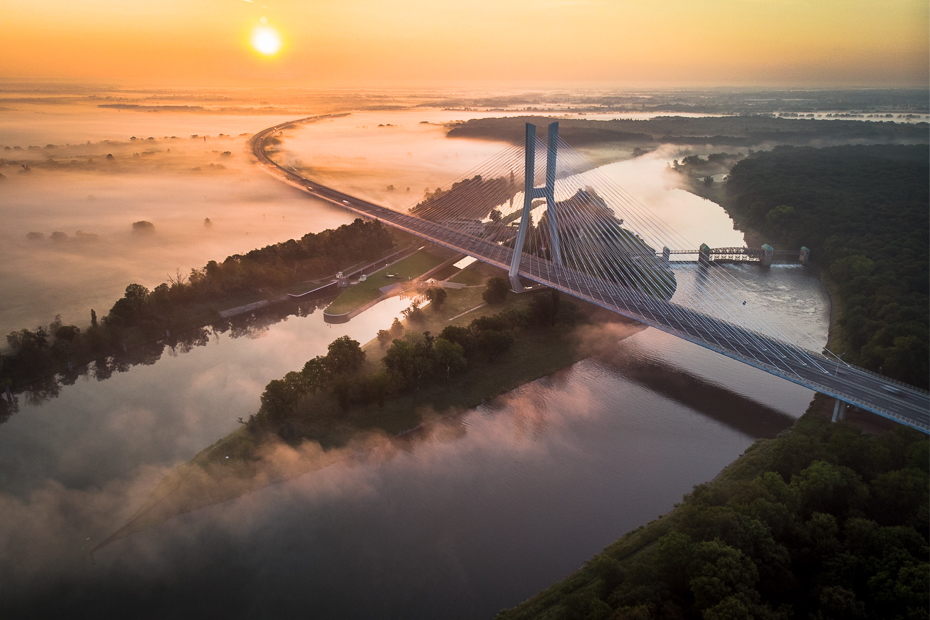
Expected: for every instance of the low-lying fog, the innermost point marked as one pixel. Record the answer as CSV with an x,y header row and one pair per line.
x,y
68,244
368,153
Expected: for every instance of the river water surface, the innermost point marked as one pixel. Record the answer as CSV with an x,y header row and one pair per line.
x,y
463,517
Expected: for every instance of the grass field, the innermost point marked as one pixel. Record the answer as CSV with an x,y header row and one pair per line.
x,y
468,276
360,294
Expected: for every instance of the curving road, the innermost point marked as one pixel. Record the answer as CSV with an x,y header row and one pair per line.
x,y
864,389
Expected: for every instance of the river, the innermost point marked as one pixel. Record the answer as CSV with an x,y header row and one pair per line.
x,y
457,520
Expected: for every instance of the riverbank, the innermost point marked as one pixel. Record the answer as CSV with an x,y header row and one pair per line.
x,y
596,590
245,461
175,312
765,534
363,292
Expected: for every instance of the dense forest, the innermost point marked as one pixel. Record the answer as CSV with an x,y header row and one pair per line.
x,y
737,131
865,213
141,315
823,522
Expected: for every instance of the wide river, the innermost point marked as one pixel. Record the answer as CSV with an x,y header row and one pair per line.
x,y
457,520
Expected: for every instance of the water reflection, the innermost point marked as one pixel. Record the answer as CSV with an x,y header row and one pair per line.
x,y
458,519
249,325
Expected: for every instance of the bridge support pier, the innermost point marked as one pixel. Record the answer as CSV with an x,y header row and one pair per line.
x,y
529,193
805,255
666,254
704,255
839,411
768,253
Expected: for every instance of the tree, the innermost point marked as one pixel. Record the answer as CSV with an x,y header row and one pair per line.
x,y
399,361
397,329
496,291
461,336
450,357
28,344
494,343
67,332
414,314
384,338
129,309
281,397
436,296
345,356
315,374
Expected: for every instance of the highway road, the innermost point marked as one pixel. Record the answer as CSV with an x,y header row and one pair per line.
x,y
856,386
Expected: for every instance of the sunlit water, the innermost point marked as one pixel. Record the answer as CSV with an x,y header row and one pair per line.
x,y
466,516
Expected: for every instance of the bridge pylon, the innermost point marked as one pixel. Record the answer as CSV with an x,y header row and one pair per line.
x,y
529,193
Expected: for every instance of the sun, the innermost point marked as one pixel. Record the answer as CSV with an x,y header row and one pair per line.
x,y
266,40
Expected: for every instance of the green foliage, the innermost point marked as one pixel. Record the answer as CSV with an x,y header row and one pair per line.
x,y
813,532
409,365
496,291
345,356
414,313
863,212
436,296
333,371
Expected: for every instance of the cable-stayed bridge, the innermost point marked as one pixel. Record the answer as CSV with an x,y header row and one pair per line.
x,y
542,213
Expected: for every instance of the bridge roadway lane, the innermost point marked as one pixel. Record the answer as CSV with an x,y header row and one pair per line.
x,y
856,386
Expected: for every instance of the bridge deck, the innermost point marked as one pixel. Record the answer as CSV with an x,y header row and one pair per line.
x,y
888,398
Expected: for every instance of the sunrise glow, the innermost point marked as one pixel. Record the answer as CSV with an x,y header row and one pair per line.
x,y
266,40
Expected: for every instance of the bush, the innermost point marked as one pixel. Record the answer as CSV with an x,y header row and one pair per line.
x,y
436,296
496,291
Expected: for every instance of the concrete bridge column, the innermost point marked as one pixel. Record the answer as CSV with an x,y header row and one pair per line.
x,y
529,193
805,255
839,411
768,253
666,254
704,255
529,167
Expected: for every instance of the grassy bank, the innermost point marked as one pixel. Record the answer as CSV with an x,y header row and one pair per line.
x,y
357,295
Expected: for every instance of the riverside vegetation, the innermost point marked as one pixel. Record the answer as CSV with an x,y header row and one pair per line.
x,y
863,212
443,361
184,302
822,522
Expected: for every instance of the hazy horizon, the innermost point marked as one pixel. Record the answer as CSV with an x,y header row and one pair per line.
x,y
559,43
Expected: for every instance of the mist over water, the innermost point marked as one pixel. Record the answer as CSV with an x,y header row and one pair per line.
x,y
174,183
466,515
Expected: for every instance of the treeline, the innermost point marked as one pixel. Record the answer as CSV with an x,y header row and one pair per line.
x,y
328,386
469,198
117,359
863,211
695,166
744,131
824,522
142,315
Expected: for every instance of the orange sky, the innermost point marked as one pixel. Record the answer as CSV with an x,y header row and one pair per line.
x,y
380,43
